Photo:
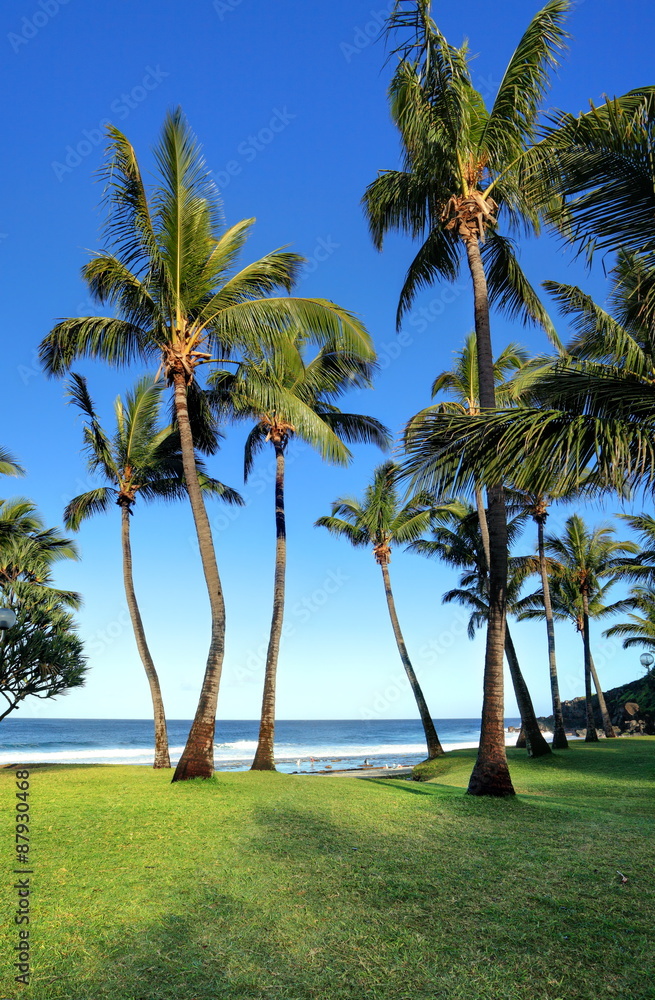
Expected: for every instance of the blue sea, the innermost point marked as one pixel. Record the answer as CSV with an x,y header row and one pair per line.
x,y
300,745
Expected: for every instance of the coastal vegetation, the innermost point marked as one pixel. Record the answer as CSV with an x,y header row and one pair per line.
x,y
169,272
503,438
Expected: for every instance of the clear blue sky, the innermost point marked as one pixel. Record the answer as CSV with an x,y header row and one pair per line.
x,y
289,100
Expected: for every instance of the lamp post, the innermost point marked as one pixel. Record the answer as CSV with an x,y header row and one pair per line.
x,y
8,619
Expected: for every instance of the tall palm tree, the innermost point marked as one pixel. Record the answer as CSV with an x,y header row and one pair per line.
x,y
170,273
141,460
456,538
380,520
463,174
536,506
290,394
584,564
566,606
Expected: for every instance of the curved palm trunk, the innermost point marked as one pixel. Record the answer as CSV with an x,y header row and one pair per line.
x,y
560,741
535,743
162,758
197,760
264,756
602,704
592,735
490,774
521,742
435,748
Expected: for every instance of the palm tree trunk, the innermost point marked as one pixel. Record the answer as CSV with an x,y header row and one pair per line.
x,y
435,748
560,741
602,704
482,520
490,774
162,758
265,756
535,743
521,742
592,735
197,760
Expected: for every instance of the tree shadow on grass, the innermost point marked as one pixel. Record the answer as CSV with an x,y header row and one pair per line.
x,y
359,895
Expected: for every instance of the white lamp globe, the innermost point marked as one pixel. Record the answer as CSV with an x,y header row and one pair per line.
x,y
7,618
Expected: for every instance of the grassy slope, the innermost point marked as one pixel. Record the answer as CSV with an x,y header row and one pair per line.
x,y
257,885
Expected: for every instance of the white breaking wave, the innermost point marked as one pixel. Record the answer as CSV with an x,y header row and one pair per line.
x,y
240,751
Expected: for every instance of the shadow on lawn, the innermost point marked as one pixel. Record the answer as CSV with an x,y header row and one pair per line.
x,y
336,900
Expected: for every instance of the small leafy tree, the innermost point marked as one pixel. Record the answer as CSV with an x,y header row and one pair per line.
x,y
41,656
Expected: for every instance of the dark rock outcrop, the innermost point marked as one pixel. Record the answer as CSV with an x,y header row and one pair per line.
x,y
631,708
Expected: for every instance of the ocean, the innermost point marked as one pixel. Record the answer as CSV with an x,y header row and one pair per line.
x,y
300,745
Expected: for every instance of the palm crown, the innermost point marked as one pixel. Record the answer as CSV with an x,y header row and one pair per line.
x,y
381,518
171,273
141,460
463,161
289,394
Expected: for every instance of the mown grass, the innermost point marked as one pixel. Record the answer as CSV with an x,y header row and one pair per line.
x,y
280,887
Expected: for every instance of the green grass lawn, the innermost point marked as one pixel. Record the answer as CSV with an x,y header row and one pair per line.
x,y
281,887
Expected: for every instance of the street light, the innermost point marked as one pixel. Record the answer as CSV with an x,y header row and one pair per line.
x,y
646,659
8,619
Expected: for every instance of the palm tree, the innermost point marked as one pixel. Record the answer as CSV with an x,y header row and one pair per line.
x,y
28,552
463,170
170,275
566,606
536,506
639,630
290,395
601,164
584,564
457,539
590,412
140,461
381,519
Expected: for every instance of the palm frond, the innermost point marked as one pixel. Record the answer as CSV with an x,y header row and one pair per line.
x,y
509,289
512,121
112,340
87,505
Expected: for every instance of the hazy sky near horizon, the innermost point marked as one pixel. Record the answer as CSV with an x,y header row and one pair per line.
x,y
289,101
